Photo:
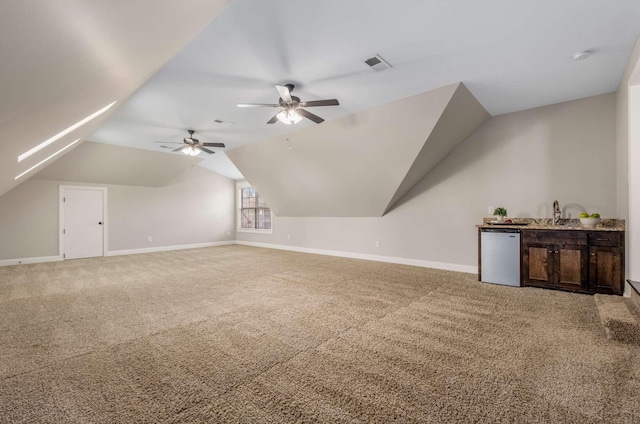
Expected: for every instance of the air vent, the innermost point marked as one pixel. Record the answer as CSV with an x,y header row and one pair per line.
x,y
220,122
377,63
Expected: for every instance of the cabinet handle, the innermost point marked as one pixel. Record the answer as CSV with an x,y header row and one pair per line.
x,y
593,254
557,251
602,239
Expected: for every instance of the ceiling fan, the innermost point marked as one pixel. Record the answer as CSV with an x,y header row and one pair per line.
x,y
292,108
191,146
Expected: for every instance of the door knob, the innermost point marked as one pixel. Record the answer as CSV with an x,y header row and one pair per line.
x,y
99,223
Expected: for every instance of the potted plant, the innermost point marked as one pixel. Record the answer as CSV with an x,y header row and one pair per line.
x,y
500,213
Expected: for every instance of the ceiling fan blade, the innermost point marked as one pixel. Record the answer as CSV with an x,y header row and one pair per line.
x,y
284,92
257,105
204,149
314,103
167,142
178,149
221,145
273,120
309,115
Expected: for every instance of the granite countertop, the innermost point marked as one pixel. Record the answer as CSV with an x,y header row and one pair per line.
x,y
565,224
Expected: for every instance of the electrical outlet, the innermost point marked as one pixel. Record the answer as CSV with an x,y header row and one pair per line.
x,y
288,236
490,210
228,233
149,238
377,243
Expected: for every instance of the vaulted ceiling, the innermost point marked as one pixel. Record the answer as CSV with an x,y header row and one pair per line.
x,y
64,60
511,55
173,66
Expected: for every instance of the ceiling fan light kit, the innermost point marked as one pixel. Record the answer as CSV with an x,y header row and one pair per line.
x,y
191,151
289,117
292,107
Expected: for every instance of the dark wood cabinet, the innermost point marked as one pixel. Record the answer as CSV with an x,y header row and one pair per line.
x,y
581,261
606,262
557,259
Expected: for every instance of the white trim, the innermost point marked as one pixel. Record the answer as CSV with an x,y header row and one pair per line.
x,y
105,220
168,248
390,259
257,231
36,260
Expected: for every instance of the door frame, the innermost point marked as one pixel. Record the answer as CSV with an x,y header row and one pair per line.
x,y
105,222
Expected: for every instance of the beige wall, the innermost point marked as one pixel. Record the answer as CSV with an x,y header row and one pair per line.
x,y
522,161
196,207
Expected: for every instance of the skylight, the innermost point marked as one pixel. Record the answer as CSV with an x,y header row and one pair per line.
x,y
63,133
43,161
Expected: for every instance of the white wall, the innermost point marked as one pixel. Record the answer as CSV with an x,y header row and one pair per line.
x,y
197,207
628,160
522,161
633,261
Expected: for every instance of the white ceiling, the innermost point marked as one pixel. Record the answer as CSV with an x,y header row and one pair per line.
x,y
62,60
512,55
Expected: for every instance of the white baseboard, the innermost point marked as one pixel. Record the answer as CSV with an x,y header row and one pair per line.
x,y
41,259
167,248
378,258
390,259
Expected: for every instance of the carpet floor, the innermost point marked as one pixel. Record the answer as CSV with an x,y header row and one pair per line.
x,y
236,334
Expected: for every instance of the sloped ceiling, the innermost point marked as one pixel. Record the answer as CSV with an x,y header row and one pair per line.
x,y
512,55
64,60
107,164
356,164
462,116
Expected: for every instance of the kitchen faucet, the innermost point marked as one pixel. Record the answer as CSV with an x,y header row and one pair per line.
x,y
556,213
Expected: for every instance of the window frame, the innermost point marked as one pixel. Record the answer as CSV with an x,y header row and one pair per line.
x,y
239,187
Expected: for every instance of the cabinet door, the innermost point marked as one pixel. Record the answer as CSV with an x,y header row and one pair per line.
x,y
571,266
537,264
605,269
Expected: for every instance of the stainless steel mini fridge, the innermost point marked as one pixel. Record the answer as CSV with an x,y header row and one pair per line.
x,y
500,256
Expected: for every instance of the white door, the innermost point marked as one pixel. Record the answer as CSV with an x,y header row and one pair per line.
x,y
83,223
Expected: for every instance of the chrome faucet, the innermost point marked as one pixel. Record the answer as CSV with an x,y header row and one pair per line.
x,y
556,213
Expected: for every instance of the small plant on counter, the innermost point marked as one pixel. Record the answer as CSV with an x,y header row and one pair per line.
x,y
500,212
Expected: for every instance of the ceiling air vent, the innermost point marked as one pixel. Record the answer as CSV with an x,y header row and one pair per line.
x,y
377,63
221,123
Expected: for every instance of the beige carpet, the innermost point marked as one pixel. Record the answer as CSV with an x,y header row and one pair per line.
x,y
245,335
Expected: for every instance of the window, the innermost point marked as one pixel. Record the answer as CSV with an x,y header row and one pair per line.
x,y
255,215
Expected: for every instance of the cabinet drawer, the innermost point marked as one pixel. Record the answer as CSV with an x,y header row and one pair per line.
x,y
578,238
602,238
